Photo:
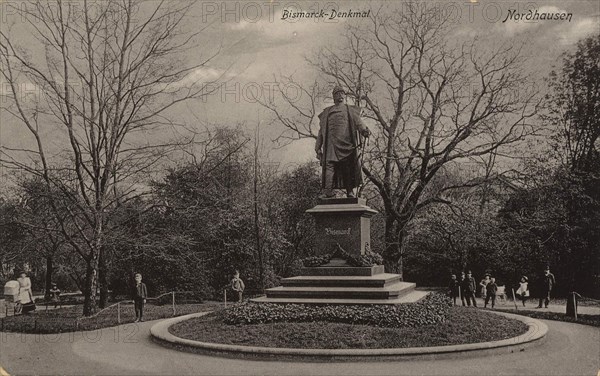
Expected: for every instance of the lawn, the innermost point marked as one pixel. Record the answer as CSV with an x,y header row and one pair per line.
x,y
70,319
463,325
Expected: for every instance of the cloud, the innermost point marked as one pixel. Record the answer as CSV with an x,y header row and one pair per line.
x,y
297,152
273,31
199,76
204,74
279,29
571,33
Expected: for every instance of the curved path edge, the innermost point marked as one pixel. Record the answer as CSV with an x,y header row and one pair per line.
x,y
537,330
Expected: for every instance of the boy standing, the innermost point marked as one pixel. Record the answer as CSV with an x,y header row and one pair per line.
x,y
237,285
139,297
491,290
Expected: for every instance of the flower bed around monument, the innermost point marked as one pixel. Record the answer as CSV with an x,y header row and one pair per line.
x,y
431,310
462,325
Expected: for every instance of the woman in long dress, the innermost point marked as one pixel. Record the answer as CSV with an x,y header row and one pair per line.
x,y
25,294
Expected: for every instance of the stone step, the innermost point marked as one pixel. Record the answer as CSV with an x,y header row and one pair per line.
x,y
392,291
410,297
342,271
378,280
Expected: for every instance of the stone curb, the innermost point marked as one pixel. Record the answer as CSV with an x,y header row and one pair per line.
x,y
537,330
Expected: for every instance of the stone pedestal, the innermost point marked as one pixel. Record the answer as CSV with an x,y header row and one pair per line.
x,y
343,221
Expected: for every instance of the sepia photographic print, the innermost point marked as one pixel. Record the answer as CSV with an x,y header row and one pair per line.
x,y
299,187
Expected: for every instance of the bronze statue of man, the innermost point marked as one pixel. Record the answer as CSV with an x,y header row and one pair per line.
x,y
337,146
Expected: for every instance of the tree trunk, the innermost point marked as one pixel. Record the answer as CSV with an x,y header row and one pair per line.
x,y
91,273
91,284
400,236
48,283
102,279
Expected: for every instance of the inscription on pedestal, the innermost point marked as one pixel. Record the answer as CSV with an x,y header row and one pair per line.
x,y
331,231
345,222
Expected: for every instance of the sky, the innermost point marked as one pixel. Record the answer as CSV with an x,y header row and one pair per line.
x,y
261,47
256,45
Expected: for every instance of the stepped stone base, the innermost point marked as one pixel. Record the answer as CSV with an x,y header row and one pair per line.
x,y
342,271
411,297
343,285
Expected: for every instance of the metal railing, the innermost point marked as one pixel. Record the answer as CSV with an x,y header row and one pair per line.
x,y
129,301
247,294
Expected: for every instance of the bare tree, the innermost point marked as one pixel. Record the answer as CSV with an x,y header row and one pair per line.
x,y
435,103
110,73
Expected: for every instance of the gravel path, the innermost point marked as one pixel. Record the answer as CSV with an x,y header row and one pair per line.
x,y
569,349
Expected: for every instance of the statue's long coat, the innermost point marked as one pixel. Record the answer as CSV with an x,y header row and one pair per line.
x,y
339,125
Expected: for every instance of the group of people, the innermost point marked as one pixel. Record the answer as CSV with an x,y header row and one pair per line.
x,y
24,296
545,286
140,293
19,293
466,287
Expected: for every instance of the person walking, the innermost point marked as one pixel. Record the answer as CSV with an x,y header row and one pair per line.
x,y
523,290
483,285
546,284
453,288
139,297
25,294
237,285
469,288
491,290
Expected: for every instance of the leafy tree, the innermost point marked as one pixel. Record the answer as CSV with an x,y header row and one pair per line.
x,y
556,224
208,202
12,239
575,106
574,113
296,191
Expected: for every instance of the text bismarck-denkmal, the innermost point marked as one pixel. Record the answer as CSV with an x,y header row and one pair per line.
x,y
333,14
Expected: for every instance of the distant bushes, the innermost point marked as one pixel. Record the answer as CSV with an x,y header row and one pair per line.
x,y
431,310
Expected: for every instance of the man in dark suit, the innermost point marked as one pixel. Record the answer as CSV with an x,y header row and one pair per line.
x,y
469,287
546,284
337,144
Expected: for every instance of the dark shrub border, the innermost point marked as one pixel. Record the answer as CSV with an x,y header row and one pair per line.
x,y
431,310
